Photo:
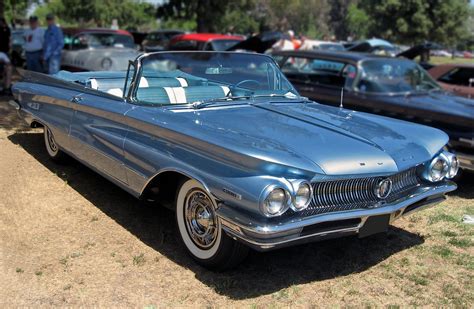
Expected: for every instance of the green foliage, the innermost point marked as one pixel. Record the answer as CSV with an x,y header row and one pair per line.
x,y
337,17
302,16
358,21
397,20
14,9
413,21
128,13
449,21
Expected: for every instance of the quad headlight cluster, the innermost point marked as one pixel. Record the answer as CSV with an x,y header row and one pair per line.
x,y
444,165
277,200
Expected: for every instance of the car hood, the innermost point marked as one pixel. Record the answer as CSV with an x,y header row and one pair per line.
x,y
309,137
443,103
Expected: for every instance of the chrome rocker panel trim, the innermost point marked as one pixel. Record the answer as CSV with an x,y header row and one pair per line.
x,y
466,161
267,235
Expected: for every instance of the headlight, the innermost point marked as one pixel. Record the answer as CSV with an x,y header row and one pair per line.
x,y
437,169
276,202
453,163
106,63
302,197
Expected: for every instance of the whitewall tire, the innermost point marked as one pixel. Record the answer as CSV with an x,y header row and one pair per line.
x,y
52,148
201,231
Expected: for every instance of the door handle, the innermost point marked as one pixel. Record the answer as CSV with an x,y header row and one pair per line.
x,y
76,99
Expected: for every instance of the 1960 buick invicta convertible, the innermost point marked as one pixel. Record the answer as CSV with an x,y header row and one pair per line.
x,y
227,142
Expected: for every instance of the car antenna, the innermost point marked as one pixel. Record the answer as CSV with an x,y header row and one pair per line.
x,y
342,98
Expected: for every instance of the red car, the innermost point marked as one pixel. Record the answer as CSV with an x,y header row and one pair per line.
x,y
204,41
458,78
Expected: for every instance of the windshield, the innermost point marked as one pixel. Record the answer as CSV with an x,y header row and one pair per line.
x,y
189,77
96,40
222,45
394,76
329,46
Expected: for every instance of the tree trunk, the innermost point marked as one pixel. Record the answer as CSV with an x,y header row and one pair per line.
x,y
2,8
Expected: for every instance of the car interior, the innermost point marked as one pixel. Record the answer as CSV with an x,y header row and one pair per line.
x,y
163,90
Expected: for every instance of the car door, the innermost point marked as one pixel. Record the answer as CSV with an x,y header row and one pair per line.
x,y
98,132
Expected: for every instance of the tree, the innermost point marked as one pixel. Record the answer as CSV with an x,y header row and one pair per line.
x,y
449,21
403,21
14,9
308,17
357,21
129,13
338,20
203,12
413,21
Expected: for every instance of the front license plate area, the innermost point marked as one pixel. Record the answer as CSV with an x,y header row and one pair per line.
x,y
375,225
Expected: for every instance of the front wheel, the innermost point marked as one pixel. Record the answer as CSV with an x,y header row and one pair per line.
x,y
51,146
200,229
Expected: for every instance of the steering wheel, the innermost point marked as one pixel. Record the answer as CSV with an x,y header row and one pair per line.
x,y
253,81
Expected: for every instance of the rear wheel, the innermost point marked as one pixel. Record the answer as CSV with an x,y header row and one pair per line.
x,y
201,231
51,146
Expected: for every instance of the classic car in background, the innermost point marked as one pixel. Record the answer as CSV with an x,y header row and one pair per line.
x,y
393,87
456,77
226,141
321,45
373,46
204,41
259,43
97,49
159,40
18,53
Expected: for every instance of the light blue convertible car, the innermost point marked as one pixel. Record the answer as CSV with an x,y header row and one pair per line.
x,y
225,140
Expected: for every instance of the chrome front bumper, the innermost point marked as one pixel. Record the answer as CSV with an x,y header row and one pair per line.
x,y
267,234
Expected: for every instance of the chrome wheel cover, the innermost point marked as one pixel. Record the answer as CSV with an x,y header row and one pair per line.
x,y
51,142
201,219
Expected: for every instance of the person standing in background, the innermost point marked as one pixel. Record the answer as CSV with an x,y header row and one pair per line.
x,y
5,36
34,40
53,46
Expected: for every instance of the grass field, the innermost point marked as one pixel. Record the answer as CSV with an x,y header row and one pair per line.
x,y
443,60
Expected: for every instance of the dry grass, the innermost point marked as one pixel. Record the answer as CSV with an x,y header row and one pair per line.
x,y
443,60
70,238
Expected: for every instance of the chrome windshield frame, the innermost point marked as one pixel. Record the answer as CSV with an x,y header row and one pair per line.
x,y
138,66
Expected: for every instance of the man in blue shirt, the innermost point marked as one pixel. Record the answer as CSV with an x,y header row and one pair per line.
x,y
53,45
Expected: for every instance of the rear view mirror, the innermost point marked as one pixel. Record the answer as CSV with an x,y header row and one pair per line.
x,y
218,70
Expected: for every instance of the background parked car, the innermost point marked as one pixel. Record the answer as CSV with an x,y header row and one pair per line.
x,y
458,78
373,46
321,45
159,40
393,87
18,53
204,41
97,49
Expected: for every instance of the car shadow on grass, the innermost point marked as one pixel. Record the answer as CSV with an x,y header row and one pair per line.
x,y
465,185
260,273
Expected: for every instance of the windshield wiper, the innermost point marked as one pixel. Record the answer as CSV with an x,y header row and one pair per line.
x,y
204,103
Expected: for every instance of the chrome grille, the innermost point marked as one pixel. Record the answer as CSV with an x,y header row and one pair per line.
x,y
357,193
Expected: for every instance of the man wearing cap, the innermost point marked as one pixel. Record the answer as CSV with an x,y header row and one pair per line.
x,y
53,45
34,40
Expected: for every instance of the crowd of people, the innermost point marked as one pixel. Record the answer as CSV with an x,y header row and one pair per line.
x,y
42,48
